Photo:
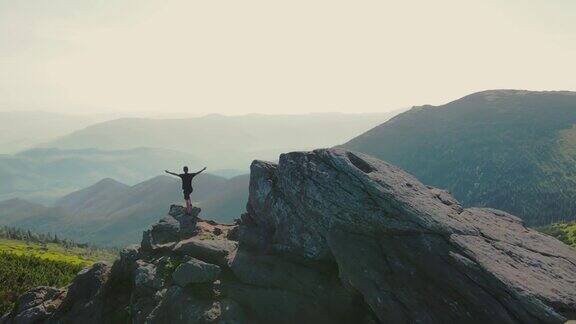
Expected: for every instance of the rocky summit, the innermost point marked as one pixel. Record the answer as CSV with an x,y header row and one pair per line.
x,y
329,236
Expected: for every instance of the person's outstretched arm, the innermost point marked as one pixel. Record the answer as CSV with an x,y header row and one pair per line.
x,y
172,173
197,173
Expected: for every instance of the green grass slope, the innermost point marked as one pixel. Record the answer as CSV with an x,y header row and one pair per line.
x,y
565,232
29,260
74,255
507,149
19,273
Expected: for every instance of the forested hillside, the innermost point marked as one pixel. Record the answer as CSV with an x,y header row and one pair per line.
x,y
507,149
114,214
565,232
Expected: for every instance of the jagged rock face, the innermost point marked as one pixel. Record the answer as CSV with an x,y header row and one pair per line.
x,y
329,236
412,251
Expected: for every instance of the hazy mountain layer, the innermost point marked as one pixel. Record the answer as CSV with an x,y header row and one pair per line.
x,y
225,141
47,174
23,130
112,213
507,149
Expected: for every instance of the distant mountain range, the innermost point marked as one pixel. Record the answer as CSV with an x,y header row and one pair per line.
x,y
132,150
112,213
23,130
224,142
59,183
47,174
508,149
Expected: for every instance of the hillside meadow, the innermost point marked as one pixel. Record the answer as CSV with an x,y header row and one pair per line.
x,y
27,264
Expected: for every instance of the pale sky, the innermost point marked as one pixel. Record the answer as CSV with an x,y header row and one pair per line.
x,y
271,56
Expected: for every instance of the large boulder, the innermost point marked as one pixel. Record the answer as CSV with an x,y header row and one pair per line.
x,y
173,227
212,251
195,271
146,277
84,299
182,306
147,283
280,290
411,251
36,305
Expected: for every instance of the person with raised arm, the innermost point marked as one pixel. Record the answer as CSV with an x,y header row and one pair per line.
x,y
186,185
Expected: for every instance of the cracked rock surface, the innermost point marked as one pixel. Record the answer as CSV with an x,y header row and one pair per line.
x,y
411,251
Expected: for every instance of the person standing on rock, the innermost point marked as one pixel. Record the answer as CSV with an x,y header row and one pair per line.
x,y
186,185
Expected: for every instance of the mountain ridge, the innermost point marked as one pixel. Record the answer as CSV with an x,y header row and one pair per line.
x,y
507,149
50,173
111,213
224,142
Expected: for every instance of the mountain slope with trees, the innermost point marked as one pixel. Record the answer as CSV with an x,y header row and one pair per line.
x,y
46,174
114,214
507,149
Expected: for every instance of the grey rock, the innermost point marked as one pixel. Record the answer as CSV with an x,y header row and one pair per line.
x,y
130,253
126,262
147,290
83,302
412,252
173,227
181,306
233,234
308,293
116,293
282,306
145,276
35,297
35,305
211,251
195,271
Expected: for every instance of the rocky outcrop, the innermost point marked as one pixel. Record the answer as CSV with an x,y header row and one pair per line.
x,y
35,305
329,236
412,252
195,271
171,228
